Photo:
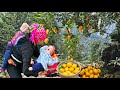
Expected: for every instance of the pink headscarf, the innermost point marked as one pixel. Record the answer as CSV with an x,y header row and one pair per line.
x,y
38,33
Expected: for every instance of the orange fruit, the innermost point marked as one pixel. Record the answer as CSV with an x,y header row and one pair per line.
x,y
71,59
66,69
77,68
86,70
71,69
87,74
46,41
69,64
82,73
47,31
54,55
61,70
68,57
93,68
80,27
98,75
89,67
99,70
69,37
83,70
95,76
92,76
65,73
55,30
95,71
75,71
68,72
83,76
91,71
64,65
74,65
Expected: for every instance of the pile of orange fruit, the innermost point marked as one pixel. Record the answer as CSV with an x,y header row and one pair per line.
x,y
69,68
90,72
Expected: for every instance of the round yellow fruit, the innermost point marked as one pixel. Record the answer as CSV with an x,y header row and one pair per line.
x,y
98,75
47,31
66,69
95,76
86,70
74,65
99,70
55,30
69,37
68,57
71,69
64,65
83,70
82,73
61,70
83,76
71,59
65,73
71,73
69,64
91,71
68,72
75,71
46,41
87,74
80,27
89,67
92,76
95,71
77,68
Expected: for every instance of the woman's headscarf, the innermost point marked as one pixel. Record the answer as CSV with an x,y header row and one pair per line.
x,y
38,32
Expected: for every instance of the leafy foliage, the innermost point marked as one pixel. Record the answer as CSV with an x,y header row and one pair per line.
x,y
76,48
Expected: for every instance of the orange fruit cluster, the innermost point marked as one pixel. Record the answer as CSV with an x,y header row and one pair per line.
x,y
90,72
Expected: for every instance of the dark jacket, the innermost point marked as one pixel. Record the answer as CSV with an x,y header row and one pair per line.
x,y
24,53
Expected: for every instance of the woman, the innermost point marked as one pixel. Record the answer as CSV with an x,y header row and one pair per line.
x,y
14,42
21,55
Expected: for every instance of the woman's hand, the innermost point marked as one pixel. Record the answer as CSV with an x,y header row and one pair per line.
x,y
11,62
30,68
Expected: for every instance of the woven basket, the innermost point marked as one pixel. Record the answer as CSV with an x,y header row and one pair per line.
x,y
70,76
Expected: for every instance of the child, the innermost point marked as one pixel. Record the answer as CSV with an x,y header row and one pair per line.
x,y
46,61
14,42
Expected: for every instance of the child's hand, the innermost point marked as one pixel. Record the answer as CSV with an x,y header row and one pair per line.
x,y
30,68
11,62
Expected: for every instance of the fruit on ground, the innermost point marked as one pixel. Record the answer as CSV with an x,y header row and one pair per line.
x,y
90,72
